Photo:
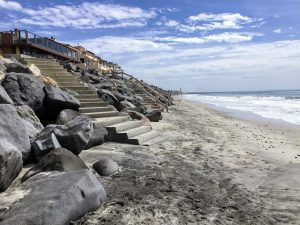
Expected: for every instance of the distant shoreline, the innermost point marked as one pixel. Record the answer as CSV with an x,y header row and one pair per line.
x,y
243,114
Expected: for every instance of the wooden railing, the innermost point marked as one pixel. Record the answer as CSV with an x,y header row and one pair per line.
x,y
150,92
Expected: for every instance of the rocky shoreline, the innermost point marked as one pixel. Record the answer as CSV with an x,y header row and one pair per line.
x,y
42,133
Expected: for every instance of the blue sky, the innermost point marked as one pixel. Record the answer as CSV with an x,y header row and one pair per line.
x,y
196,45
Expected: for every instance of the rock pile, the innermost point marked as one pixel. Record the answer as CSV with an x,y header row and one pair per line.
x,y
41,124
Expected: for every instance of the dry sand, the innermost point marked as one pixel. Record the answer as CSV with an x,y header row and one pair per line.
x,y
212,169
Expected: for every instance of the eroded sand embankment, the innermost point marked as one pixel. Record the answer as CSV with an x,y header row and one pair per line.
x,y
213,169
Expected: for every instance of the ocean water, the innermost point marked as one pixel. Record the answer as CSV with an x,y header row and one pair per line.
x,y
278,105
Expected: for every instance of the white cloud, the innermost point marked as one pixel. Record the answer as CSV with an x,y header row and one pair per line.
x,y
10,5
109,45
277,31
208,21
223,37
233,17
221,67
86,15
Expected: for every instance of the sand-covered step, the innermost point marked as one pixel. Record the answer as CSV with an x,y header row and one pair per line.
x,y
95,109
75,88
102,114
70,83
52,69
140,139
136,131
85,92
57,66
124,126
110,121
93,104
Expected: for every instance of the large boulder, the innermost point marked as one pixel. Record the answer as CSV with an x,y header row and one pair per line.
x,y
106,167
45,143
57,100
58,160
15,66
14,145
25,89
66,115
74,135
30,121
109,96
153,115
99,136
4,97
127,104
52,198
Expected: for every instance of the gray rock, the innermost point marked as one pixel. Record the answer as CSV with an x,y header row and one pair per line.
x,y
74,135
106,167
45,143
153,115
14,145
100,135
57,160
4,97
16,67
127,104
30,120
57,100
52,198
109,97
66,115
25,89
71,92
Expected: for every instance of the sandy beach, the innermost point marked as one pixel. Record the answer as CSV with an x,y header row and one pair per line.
x,y
211,169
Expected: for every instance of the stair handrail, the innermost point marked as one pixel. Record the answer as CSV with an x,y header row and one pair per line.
x,y
143,87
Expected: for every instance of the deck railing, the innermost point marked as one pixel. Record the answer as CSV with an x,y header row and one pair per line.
x,y
154,95
25,37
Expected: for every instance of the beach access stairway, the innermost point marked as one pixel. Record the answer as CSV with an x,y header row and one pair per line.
x,y
120,127
147,100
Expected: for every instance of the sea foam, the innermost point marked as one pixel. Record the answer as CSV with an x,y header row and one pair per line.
x,y
273,107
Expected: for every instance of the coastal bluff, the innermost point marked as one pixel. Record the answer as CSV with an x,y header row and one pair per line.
x,y
51,112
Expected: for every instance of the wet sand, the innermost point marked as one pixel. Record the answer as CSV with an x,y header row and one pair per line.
x,y
212,169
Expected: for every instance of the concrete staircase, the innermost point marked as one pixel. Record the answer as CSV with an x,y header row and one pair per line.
x,y
120,128
147,100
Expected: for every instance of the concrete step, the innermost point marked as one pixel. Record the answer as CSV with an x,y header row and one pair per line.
x,y
96,109
61,76
92,104
73,83
54,66
54,71
44,64
86,97
140,139
102,114
116,128
109,121
85,92
136,131
75,88
90,100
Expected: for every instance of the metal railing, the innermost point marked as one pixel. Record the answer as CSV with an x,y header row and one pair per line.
x,y
26,37
151,93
